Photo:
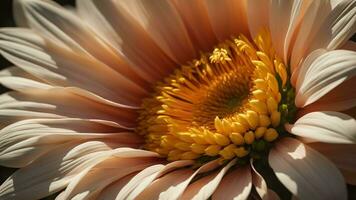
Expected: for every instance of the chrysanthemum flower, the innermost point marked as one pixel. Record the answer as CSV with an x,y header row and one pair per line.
x,y
179,99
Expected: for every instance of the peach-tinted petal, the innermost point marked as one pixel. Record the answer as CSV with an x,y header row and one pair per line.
x,y
284,19
326,24
235,185
203,188
342,97
324,74
128,37
343,155
196,19
261,186
162,22
64,27
59,103
228,17
172,185
53,171
327,126
90,182
25,141
148,180
349,45
306,173
257,16
61,67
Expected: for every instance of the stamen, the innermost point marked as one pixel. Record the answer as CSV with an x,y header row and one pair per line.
x,y
226,104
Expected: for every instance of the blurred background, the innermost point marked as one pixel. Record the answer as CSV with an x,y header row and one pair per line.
x,y
6,20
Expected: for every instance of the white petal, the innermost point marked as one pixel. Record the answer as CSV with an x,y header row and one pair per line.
x,y
305,172
235,185
325,25
327,126
53,171
228,18
343,157
203,188
324,74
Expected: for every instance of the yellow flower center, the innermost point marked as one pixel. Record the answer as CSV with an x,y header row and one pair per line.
x,y
226,104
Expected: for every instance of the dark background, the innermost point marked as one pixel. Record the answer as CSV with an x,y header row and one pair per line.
x,y
6,20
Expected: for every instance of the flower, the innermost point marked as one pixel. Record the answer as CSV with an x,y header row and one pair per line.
x,y
120,99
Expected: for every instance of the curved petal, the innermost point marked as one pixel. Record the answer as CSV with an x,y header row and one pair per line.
x,y
324,74
90,182
343,155
326,24
61,67
284,20
258,16
261,186
196,19
235,185
25,141
342,97
60,103
162,22
118,26
305,172
172,185
327,126
66,29
54,170
228,18
148,180
203,188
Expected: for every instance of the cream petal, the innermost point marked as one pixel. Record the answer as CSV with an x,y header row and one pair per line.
x,y
89,183
305,172
228,18
123,192
342,97
172,185
327,126
148,180
53,171
25,141
326,24
196,19
261,186
60,67
284,20
235,185
258,16
162,22
343,155
324,74
59,103
111,191
203,188
64,27
135,43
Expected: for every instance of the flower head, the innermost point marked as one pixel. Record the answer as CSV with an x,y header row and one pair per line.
x,y
136,99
